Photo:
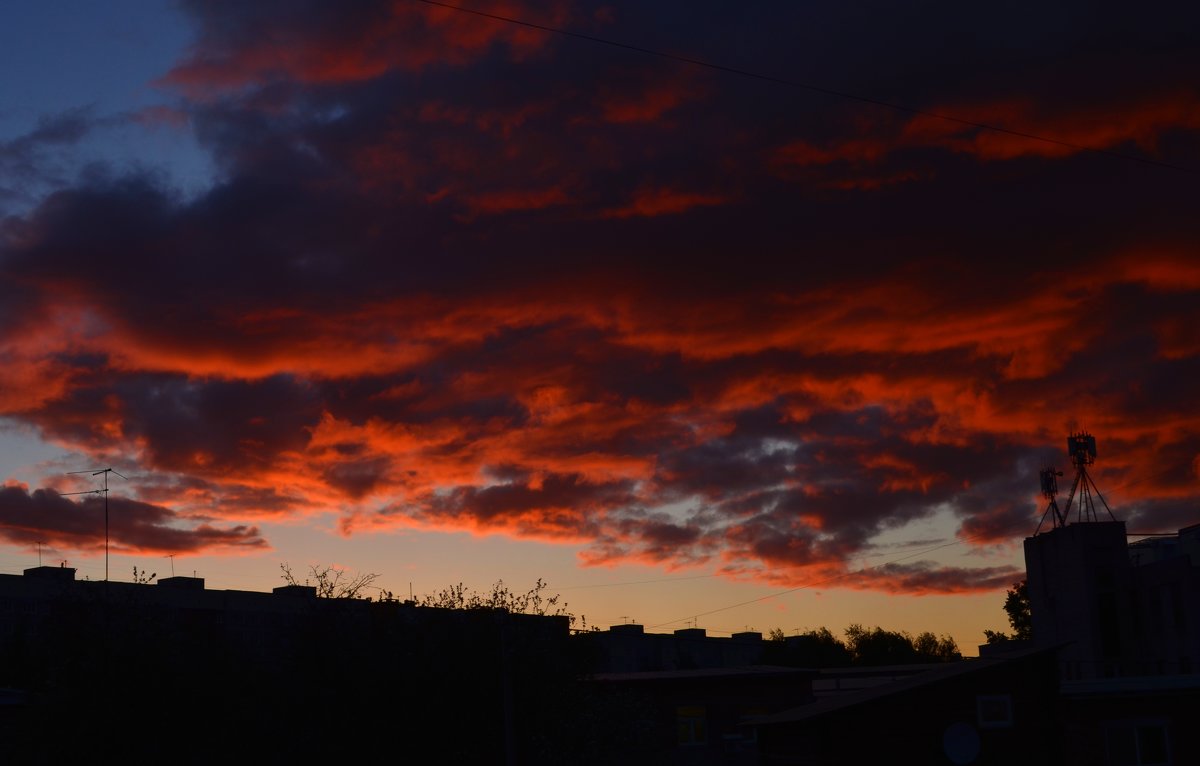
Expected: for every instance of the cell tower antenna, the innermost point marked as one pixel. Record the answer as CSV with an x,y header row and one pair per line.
x,y
1082,449
1050,492
97,472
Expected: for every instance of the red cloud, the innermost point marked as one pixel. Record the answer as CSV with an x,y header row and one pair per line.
x,y
562,420
648,105
652,201
1100,127
504,122
453,276
326,47
852,150
510,200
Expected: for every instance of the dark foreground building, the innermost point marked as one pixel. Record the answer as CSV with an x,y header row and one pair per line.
x,y
982,711
1126,619
175,673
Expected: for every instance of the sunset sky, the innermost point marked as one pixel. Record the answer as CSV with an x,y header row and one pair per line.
x,y
448,298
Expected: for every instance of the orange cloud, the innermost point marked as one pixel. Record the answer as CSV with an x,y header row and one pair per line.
x,y
456,276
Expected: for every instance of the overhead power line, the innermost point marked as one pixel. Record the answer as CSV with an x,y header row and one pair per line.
x,y
843,575
710,575
812,87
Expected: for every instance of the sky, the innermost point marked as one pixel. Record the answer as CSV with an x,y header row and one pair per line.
x,y
766,316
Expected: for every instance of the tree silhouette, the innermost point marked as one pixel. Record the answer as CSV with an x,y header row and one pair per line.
x,y
142,578
931,648
332,581
820,648
812,649
877,646
1020,616
501,598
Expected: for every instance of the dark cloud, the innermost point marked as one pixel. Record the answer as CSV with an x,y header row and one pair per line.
x,y
554,505
1159,516
47,517
923,577
21,155
31,163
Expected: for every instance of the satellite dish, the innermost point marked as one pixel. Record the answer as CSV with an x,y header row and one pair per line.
x,y
961,743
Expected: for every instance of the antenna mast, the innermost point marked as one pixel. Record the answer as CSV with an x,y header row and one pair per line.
x,y
1050,492
1082,449
104,491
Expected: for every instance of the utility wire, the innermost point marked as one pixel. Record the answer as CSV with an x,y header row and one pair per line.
x,y
922,552
711,574
874,555
843,575
806,86
246,577
642,582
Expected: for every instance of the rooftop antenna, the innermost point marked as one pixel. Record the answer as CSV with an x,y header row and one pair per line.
x,y
1082,449
1050,492
40,543
104,491
171,556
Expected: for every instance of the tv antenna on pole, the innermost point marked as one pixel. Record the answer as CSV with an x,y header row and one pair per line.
x,y
1050,492
1082,449
104,491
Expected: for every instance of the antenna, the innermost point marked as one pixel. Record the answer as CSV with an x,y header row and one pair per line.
x,y
98,472
40,543
1082,449
171,556
1050,492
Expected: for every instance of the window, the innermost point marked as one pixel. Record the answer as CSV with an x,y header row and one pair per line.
x,y
994,711
1138,744
690,723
